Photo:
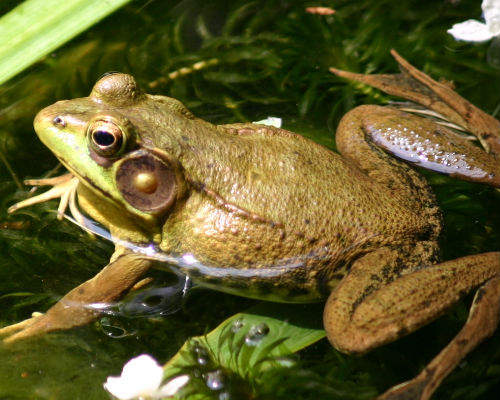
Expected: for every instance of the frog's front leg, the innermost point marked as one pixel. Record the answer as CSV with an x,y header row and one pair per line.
x,y
371,307
120,275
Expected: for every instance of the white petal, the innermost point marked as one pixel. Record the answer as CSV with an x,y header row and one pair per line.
x,y
491,14
270,121
119,388
141,376
471,31
173,386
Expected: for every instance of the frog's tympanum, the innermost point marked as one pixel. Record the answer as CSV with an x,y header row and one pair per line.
x,y
272,215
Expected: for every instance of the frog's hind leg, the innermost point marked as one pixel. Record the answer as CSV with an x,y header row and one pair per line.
x,y
414,85
357,145
363,313
419,141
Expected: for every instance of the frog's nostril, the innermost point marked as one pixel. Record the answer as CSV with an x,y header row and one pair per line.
x,y
59,121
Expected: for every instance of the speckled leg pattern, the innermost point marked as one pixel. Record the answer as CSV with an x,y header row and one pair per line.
x,y
426,144
360,315
482,323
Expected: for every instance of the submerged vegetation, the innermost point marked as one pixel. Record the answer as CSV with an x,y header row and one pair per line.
x,y
228,62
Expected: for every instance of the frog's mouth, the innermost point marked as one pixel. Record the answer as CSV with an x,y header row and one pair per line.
x,y
68,192
83,179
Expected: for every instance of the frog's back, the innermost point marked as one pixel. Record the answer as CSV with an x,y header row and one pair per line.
x,y
272,199
310,190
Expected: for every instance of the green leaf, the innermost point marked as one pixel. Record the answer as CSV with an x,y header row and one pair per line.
x,y
235,18
37,27
248,343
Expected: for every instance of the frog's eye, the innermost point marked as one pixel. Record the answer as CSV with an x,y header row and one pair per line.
x,y
105,137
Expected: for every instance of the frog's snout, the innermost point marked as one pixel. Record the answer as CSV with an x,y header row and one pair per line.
x,y
54,119
46,119
39,122
55,128
42,124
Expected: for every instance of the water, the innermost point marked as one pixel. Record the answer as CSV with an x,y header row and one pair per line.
x,y
214,380
272,59
256,334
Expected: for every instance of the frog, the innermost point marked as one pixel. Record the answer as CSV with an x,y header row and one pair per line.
x,y
262,212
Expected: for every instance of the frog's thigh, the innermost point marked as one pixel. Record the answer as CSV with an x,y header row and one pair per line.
x,y
360,315
425,143
124,270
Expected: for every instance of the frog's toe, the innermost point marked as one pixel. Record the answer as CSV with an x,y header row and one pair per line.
x,y
28,327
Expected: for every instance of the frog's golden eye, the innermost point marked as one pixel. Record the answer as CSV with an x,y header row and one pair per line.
x,y
106,138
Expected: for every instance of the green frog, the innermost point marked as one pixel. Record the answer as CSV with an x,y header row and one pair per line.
x,y
262,212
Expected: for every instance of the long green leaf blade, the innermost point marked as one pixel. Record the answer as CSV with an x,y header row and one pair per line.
x,y
37,27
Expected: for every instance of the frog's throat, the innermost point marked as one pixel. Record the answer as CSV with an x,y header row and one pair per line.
x,y
88,183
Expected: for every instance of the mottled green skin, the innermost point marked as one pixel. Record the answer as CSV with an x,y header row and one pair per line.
x,y
252,196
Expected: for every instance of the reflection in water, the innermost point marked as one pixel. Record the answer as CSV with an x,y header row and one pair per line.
x,y
186,262
114,329
158,301
152,302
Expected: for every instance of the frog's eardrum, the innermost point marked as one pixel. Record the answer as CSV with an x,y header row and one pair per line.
x,y
146,182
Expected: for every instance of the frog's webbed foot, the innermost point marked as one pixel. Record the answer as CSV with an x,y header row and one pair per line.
x,y
77,308
63,187
38,323
10,331
416,86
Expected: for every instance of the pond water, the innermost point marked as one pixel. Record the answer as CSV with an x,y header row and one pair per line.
x,y
259,58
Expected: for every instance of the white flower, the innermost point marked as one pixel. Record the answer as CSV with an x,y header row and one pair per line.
x,y
476,31
270,121
141,378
